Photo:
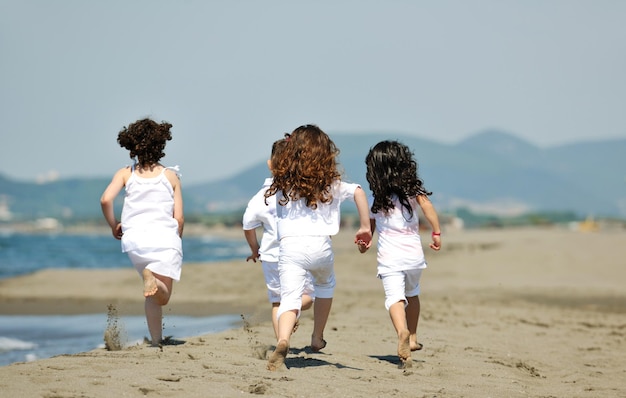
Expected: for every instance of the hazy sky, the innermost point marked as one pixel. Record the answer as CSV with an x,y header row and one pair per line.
x,y
232,76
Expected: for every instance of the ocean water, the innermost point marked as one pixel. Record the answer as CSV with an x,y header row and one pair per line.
x,y
23,253
25,338
30,337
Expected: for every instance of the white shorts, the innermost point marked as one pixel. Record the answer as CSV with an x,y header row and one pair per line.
x,y
165,262
399,285
298,256
272,281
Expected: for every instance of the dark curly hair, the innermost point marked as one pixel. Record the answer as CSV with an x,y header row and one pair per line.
x,y
306,168
392,170
146,140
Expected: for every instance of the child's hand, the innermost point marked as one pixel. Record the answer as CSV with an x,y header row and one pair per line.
x,y
363,239
363,246
117,231
436,243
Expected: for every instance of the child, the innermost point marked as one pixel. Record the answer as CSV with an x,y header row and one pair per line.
x,y
398,191
309,191
259,214
152,216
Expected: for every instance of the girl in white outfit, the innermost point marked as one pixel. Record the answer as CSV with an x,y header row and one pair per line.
x,y
152,216
398,192
309,192
261,214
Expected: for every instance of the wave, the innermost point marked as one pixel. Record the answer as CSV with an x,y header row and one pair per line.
x,y
10,344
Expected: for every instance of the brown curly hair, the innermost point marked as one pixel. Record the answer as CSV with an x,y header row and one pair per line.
x,y
145,139
306,168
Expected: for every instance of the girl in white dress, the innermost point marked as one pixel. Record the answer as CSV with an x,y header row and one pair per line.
x,y
151,226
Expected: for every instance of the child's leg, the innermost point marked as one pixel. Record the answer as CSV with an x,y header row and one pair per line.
x,y
154,303
307,302
398,318
291,287
274,319
309,292
150,287
272,282
321,311
395,302
154,317
323,275
412,317
413,305
286,323
159,286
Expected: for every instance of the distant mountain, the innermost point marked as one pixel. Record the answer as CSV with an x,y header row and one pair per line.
x,y
492,171
77,197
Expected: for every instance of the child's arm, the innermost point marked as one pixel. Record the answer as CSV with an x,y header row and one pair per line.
x,y
250,235
107,199
178,200
364,234
431,215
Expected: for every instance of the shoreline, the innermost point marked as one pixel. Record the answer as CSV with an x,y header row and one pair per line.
x,y
100,229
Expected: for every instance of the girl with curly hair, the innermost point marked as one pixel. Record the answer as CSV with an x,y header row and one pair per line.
x,y
308,189
398,192
260,214
151,226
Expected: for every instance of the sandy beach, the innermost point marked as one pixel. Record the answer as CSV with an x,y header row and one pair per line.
x,y
505,313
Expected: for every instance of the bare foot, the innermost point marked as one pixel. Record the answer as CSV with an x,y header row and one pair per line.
x,y
317,344
406,363
149,283
277,358
416,346
404,349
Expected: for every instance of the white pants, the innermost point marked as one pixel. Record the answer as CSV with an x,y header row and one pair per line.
x,y
399,285
272,281
298,256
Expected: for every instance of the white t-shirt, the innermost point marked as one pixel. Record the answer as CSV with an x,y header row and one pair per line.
x,y
296,219
399,242
259,214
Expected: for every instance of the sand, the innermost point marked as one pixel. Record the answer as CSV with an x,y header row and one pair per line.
x,y
505,313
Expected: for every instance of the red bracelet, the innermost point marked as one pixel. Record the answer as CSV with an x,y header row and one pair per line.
x,y
436,234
